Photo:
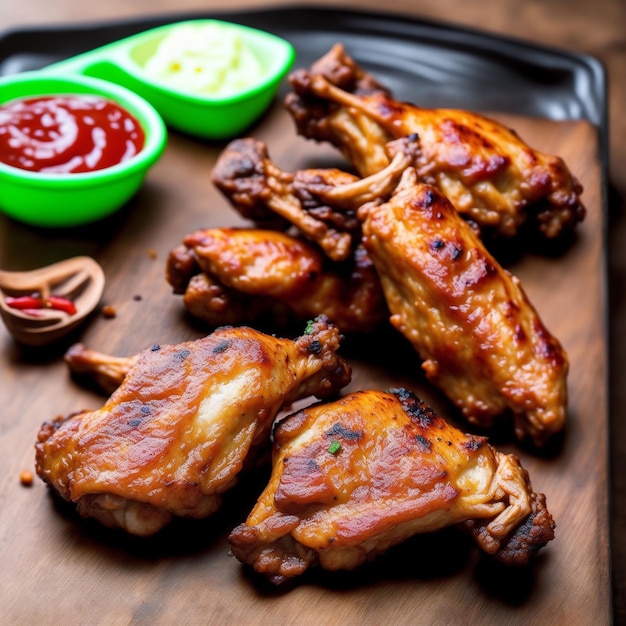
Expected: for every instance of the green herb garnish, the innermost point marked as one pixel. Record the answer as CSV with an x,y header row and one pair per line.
x,y
334,447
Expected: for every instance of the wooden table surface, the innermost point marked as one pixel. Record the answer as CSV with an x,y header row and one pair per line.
x,y
597,28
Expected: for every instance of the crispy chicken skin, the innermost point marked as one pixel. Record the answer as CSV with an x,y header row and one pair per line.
x,y
175,434
486,170
353,477
481,340
237,275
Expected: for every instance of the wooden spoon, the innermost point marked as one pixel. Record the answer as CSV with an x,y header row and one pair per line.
x,y
79,279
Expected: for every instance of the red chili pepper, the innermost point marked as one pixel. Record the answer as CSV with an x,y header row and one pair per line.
x,y
60,303
24,303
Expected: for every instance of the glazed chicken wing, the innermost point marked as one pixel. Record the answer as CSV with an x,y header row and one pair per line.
x,y
485,169
175,434
356,476
481,340
237,275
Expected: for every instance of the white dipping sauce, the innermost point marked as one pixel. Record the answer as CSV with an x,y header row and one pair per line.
x,y
207,59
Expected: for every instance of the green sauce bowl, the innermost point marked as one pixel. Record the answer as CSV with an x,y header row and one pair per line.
x,y
209,116
65,200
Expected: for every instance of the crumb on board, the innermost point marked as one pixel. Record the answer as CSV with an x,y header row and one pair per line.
x,y
152,253
109,311
26,478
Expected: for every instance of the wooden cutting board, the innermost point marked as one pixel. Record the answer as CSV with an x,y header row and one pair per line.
x,y
57,567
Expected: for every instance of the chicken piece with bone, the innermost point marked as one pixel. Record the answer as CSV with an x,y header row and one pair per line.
x,y
354,477
261,191
481,340
240,275
486,170
185,420
320,204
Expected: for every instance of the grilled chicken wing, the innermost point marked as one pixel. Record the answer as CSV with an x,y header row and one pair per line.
x,y
234,276
481,340
356,476
485,169
177,431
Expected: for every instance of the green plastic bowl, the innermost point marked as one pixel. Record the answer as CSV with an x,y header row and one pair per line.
x,y
64,200
206,116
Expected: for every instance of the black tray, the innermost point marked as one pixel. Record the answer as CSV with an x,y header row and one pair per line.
x,y
453,67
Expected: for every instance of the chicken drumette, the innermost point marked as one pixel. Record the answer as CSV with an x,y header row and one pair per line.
x,y
481,340
356,476
175,434
488,173
239,275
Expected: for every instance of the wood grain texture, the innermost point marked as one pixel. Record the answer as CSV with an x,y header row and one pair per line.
x,y
57,566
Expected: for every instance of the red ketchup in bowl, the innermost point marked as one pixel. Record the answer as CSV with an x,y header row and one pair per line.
x,y
67,134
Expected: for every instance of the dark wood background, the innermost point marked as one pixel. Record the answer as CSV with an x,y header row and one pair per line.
x,y
40,544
